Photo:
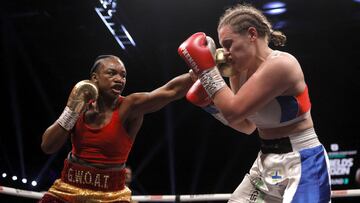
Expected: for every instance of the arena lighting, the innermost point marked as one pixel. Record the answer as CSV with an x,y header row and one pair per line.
x,y
274,8
117,29
274,5
15,108
357,1
128,35
33,183
280,24
23,180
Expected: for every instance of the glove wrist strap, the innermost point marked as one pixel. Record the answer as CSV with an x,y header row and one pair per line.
x,y
212,81
68,118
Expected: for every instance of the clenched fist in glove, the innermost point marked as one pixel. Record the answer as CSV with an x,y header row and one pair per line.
x,y
198,96
81,94
199,51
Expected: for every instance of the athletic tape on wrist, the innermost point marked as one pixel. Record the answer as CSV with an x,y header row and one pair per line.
x,y
68,118
212,81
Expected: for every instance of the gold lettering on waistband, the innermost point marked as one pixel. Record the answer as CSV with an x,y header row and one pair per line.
x,y
106,177
87,178
70,175
97,180
78,176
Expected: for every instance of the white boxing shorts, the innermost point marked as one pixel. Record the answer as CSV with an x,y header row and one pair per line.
x,y
292,169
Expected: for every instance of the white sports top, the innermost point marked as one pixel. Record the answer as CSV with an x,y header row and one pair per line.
x,y
282,110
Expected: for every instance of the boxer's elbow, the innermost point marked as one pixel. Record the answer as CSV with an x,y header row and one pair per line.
x,y
46,148
249,130
237,119
53,138
244,126
233,117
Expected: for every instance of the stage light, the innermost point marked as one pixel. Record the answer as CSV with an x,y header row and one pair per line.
x,y
14,178
274,8
24,180
280,24
128,35
33,183
276,11
106,13
274,5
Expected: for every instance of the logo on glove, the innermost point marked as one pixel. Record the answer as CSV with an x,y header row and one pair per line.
x,y
190,60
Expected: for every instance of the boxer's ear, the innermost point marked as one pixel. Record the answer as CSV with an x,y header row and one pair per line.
x,y
93,77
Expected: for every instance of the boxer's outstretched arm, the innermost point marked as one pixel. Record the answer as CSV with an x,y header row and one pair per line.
x,y
147,102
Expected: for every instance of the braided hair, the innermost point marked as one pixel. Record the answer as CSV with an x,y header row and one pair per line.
x,y
99,60
243,16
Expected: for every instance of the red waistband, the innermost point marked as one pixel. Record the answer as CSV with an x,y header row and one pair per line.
x,y
92,178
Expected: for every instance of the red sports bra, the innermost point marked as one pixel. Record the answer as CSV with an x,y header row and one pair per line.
x,y
107,145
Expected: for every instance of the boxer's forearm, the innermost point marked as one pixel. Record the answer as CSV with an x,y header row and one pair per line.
x,y
179,85
54,138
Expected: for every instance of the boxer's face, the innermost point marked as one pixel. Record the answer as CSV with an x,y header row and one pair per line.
x,y
237,47
111,77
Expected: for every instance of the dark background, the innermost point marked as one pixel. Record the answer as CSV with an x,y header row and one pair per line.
x,y
48,46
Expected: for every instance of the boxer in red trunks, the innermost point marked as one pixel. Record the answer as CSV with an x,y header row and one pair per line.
x,y
102,126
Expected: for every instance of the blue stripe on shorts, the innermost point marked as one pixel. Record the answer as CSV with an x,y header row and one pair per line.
x,y
314,185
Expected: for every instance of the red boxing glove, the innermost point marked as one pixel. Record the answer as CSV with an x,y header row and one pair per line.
x,y
197,95
198,51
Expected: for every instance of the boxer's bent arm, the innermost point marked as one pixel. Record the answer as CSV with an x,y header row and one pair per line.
x,y
148,102
244,126
280,75
56,135
54,138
